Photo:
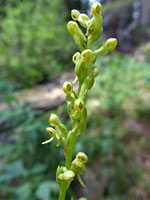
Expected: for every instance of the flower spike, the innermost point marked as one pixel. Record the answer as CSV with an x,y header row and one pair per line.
x,y
85,74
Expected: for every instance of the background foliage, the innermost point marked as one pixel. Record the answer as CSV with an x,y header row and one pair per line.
x,y
33,41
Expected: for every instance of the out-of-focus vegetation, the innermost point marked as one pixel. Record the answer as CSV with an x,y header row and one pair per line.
x,y
123,85
35,47
27,165
33,40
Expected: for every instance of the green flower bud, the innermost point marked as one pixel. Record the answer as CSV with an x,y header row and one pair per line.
x,y
87,55
95,72
78,105
55,135
60,170
81,158
94,28
53,120
78,35
96,9
81,18
75,57
78,165
51,131
104,49
67,87
73,27
75,14
67,176
111,44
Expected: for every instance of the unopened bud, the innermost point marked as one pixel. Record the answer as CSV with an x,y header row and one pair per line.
x,y
67,87
111,44
53,120
72,27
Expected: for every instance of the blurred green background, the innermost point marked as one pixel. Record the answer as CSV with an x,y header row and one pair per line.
x,y
35,52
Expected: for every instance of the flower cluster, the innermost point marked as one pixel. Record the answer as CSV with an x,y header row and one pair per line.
x,y
77,168
86,73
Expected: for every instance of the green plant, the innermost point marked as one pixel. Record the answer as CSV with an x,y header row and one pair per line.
x,y
33,34
23,161
85,75
123,86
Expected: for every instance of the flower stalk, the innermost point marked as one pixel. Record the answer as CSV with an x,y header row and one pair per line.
x,y
86,73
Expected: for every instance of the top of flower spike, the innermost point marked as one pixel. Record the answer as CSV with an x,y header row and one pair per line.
x,y
94,29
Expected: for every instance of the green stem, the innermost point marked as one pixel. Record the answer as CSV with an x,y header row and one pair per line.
x,y
69,150
72,138
79,88
62,191
71,141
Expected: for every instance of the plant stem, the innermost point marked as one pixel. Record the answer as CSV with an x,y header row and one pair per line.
x,y
71,142
62,191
